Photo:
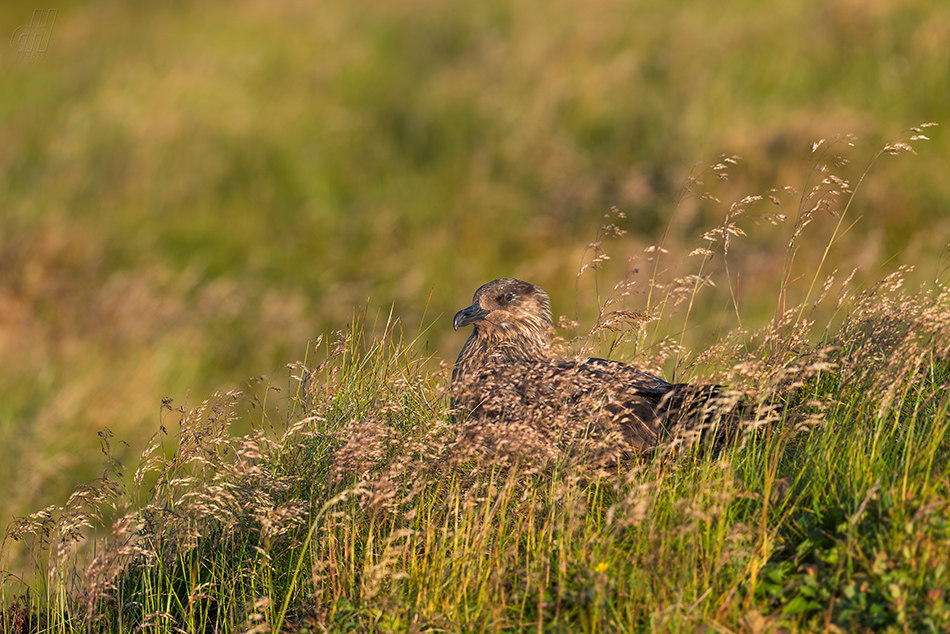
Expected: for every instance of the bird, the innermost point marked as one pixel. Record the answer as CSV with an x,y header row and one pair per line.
x,y
511,390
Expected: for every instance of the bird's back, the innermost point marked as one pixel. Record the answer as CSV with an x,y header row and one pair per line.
x,y
571,398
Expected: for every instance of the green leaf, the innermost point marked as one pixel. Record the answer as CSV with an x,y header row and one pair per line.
x,y
800,605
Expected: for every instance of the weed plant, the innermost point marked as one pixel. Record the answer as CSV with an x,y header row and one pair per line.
x,y
353,503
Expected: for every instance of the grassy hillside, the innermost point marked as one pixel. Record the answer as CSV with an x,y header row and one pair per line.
x,y
357,504
191,192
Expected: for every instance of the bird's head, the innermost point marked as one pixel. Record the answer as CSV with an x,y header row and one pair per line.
x,y
507,309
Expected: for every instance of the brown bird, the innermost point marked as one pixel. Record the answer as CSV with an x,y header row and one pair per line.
x,y
512,391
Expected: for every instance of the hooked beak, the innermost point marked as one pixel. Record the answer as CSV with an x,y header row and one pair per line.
x,y
468,316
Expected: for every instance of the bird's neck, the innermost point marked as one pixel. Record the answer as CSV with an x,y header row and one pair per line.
x,y
517,346
486,346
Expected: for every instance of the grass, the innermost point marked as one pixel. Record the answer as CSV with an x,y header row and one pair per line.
x,y
191,192
349,501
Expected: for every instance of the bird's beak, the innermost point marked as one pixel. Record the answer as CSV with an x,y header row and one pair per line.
x,y
469,315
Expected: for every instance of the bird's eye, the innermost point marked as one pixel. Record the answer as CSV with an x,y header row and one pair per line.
x,y
508,297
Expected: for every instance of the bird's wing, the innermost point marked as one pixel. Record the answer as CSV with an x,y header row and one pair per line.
x,y
644,406
608,396
626,374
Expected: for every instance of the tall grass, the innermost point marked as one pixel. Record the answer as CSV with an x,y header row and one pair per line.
x,y
170,173
354,504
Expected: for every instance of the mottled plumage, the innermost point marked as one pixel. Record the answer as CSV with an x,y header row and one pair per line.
x,y
509,386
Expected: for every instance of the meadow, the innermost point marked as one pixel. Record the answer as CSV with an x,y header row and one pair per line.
x,y
195,195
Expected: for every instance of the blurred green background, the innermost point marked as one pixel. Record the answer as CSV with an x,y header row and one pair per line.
x,y
190,191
